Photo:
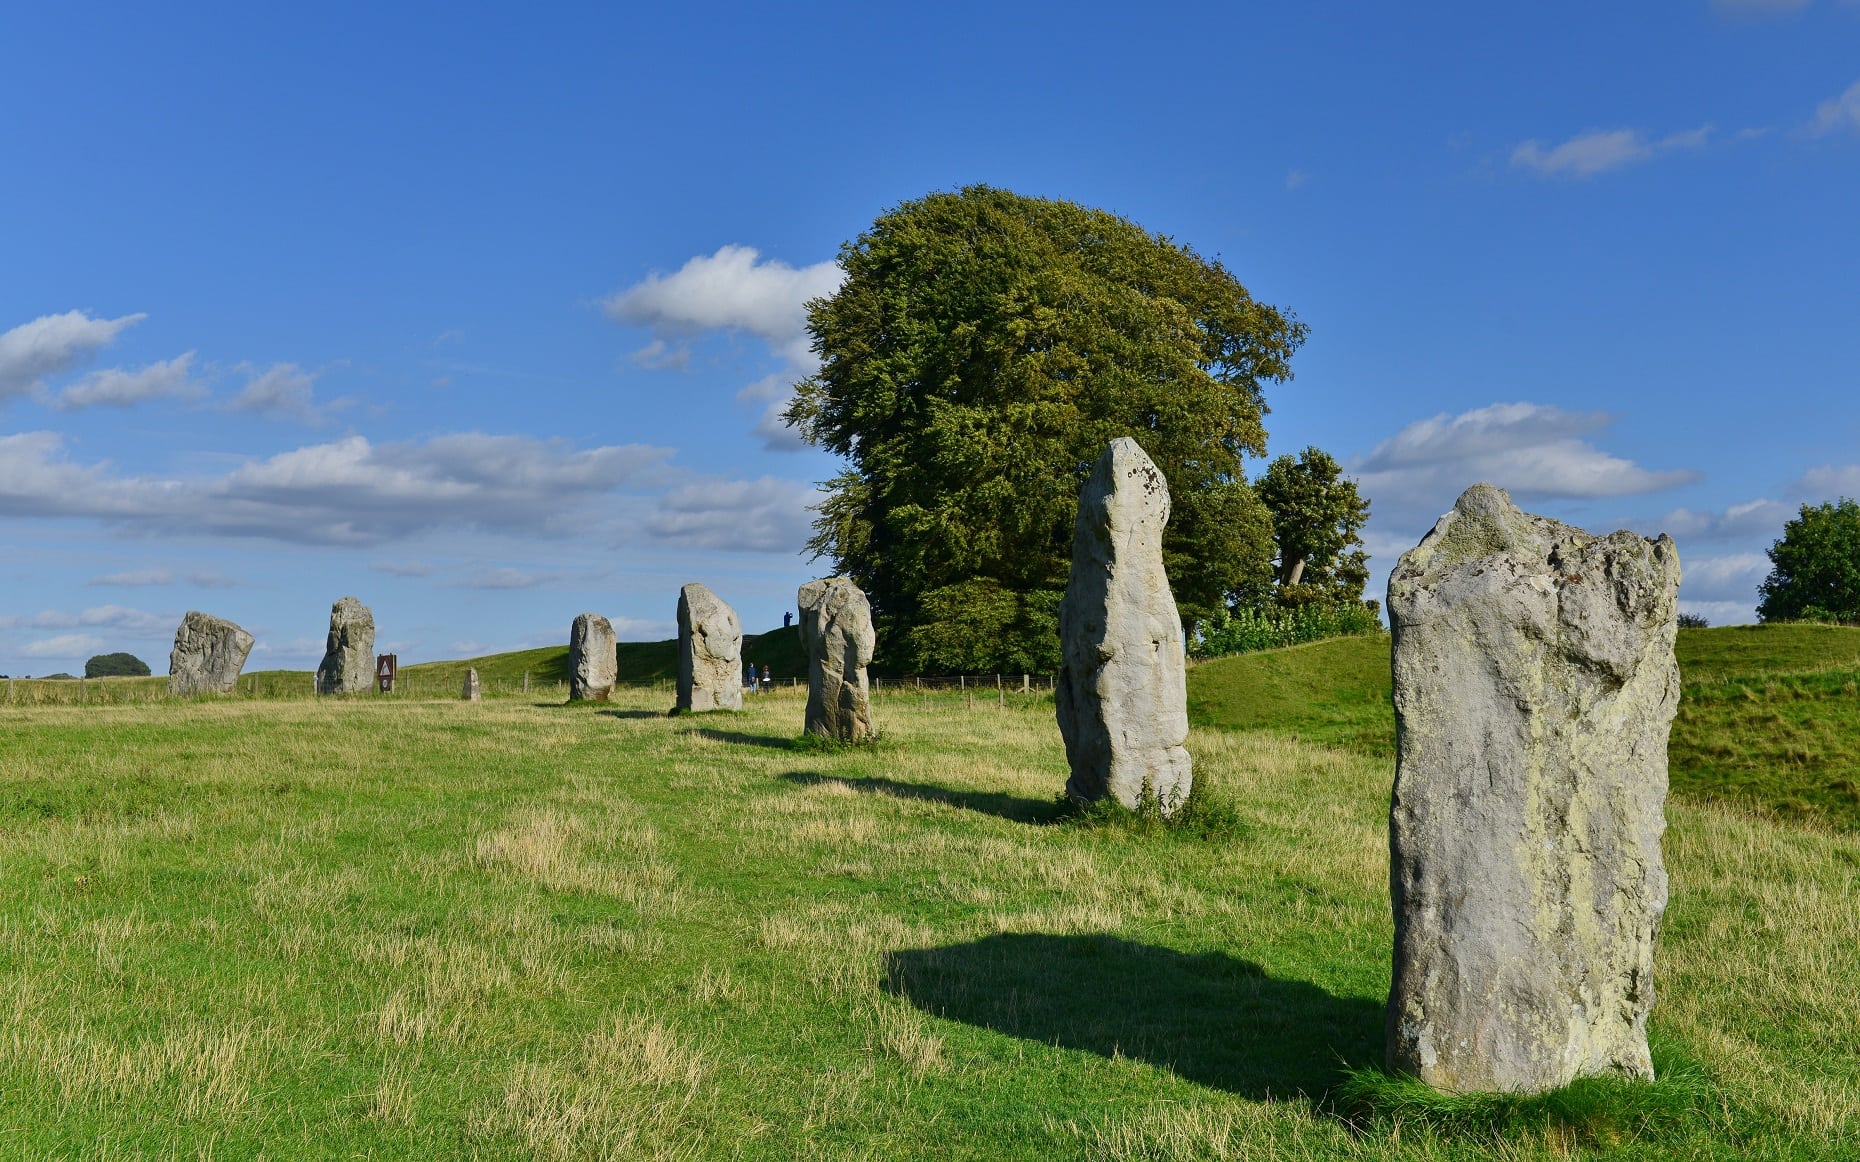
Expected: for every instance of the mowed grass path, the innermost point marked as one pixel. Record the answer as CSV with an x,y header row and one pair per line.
x,y
393,929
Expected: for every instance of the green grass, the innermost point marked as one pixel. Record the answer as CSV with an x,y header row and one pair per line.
x,y
639,663
411,929
1335,692
414,928
1769,716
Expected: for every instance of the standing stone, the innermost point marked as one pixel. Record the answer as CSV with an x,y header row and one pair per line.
x,y
471,693
593,659
208,654
1122,695
836,625
349,658
710,652
1534,689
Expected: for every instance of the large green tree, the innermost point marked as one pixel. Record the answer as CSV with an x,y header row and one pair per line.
x,y
1815,567
982,351
116,665
1317,518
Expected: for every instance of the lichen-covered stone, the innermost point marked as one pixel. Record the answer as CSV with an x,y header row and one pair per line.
x,y
593,659
208,654
710,652
1122,695
471,692
1534,689
348,665
836,625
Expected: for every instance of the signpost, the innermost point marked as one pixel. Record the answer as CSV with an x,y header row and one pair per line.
x,y
386,666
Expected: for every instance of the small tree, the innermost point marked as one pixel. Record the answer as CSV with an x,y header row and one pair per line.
x,y
1815,567
116,666
1317,515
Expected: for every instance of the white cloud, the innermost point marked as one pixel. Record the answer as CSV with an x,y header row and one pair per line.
x,y
402,569
659,355
1838,114
1829,482
770,396
117,388
765,515
51,344
1721,612
134,578
65,645
212,581
731,290
1733,577
502,578
1597,151
1750,518
135,622
345,492
1533,450
1759,7
281,391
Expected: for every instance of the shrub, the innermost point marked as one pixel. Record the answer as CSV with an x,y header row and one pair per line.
x,y
1693,621
1247,630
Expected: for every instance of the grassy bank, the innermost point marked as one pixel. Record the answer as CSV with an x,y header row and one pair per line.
x,y
404,929
1769,716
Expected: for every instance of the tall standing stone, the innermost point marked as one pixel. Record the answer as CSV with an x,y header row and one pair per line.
x,y
471,692
593,659
710,652
1534,689
836,625
208,654
349,657
1122,694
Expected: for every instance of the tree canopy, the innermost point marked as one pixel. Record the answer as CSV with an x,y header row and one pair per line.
x,y
116,666
1317,515
982,351
1815,567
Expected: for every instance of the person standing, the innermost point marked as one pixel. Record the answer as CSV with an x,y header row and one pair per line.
x,y
749,677
767,682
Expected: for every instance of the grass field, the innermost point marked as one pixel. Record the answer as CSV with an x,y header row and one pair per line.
x,y
1769,716
394,928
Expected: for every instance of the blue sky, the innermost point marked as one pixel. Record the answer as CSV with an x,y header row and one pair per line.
x,y
478,313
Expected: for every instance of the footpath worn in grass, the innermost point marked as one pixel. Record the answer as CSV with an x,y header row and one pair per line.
x,y
1769,716
394,929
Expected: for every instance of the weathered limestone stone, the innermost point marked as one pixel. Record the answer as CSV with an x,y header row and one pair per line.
x,y
710,652
836,625
471,693
1534,689
593,661
208,654
1122,694
349,658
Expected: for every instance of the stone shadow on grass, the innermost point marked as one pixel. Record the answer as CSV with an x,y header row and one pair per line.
x,y
987,802
1208,1017
630,713
741,739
